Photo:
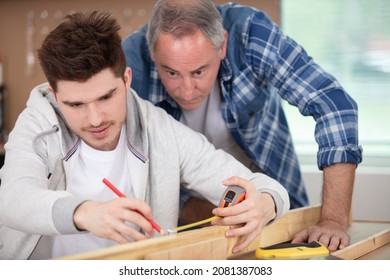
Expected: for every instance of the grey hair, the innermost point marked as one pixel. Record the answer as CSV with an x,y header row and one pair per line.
x,y
184,17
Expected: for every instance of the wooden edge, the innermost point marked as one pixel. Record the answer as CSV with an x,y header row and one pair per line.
x,y
281,230
363,247
210,249
138,250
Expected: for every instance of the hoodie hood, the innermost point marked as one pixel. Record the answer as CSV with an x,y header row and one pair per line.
x,y
43,100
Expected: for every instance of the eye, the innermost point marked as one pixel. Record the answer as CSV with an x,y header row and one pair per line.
x,y
75,105
198,73
106,97
172,74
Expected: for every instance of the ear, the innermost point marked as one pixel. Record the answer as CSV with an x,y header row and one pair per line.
x,y
52,91
222,50
127,78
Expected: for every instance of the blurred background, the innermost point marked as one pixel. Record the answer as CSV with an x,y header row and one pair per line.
x,y
349,38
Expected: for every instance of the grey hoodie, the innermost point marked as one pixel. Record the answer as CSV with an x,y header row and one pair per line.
x,y
163,153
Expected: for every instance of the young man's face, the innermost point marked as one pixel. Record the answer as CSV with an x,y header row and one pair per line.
x,y
95,109
188,67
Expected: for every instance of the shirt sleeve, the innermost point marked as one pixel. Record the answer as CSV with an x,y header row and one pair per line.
x,y
304,84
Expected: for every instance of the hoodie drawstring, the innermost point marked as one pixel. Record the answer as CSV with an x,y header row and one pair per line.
x,y
39,136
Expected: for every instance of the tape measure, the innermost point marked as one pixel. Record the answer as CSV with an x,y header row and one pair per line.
x,y
232,196
292,251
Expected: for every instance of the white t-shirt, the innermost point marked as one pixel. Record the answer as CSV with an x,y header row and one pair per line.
x,y
207,119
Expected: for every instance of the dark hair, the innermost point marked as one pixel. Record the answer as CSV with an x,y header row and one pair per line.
x,y
82,46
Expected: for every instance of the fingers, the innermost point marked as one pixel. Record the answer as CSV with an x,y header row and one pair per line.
x,y
118,220
231,213
127,224
329,235
125,233
135,205
248,233
253,213
135,211
238,181
246,242
331,238
344,241
303,236
117,237
249,228
334,241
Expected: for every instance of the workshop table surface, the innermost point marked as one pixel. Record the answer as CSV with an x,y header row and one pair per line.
x,y
358,230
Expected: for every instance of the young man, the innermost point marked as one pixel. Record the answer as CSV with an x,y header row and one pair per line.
x,y
222,70
86,124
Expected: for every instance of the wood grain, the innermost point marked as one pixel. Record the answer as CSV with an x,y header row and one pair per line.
x,y
209,242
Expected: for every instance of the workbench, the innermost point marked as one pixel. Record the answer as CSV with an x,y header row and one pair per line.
x,y
369,240
366,235
363,237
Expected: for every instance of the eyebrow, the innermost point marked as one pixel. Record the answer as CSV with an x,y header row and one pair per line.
x,y
166,67
107,94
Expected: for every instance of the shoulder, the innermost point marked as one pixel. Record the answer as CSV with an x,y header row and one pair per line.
x,y
234,10
138,58
136,37
135,46
236,15
247,25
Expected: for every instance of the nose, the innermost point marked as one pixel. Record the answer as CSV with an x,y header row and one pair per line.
x,y
94,115
188,86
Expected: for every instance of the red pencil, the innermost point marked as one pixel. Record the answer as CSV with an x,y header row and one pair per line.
x,y
118,193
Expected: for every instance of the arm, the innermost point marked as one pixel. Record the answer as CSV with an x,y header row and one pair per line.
x,y
204,168
337,193
316,93
336,206
26,190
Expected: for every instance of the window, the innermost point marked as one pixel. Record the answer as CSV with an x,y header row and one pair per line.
x,y
351,40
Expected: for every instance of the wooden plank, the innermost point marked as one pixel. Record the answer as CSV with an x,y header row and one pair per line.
x,y
138,250
382,253
365,246
280,231
286,227
214,249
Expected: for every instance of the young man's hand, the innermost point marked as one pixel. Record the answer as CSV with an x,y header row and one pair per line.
x,y
109,219
256,211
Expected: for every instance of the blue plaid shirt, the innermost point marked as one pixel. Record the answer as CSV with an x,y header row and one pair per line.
x,y
263,65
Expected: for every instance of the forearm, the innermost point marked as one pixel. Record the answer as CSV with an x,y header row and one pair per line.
x,y
338,181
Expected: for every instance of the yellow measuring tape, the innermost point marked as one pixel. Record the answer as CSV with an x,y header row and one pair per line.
x,y
177,229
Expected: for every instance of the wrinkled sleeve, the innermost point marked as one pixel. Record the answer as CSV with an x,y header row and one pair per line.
x,y
304,84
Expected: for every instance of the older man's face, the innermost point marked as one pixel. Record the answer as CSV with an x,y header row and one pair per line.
x,y
188,67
